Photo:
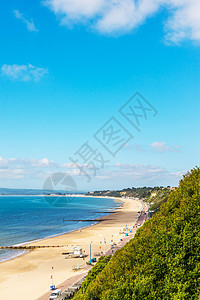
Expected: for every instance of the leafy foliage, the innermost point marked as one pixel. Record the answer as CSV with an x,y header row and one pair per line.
x,y
157,198
162,261
92,274
141,192
154,196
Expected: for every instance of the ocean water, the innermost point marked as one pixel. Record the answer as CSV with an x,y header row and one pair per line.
x,y
28,218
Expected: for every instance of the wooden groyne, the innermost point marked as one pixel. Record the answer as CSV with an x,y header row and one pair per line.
x,y
100,212
28,247
90,220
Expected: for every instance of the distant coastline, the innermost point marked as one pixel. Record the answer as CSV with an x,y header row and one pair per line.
x,y
32,192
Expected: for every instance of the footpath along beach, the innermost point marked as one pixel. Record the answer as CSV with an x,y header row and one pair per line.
x,y
29,276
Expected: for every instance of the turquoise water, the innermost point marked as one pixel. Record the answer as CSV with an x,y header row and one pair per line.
x,y
28,218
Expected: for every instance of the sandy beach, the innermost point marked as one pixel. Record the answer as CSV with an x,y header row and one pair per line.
x,y
29,276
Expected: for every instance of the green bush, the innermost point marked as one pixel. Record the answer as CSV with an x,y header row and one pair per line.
x,y
92,274
162,261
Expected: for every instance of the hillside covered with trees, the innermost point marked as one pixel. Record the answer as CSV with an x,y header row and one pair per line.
x,y
162,261
154,196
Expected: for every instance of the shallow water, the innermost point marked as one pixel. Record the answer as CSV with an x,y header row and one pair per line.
x,y
28,218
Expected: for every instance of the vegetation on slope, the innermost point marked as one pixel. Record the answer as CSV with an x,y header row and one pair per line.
x,y
92,274
141,192
153,196
162,261
157,197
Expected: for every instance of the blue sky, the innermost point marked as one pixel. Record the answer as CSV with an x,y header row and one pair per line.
x,y
68,66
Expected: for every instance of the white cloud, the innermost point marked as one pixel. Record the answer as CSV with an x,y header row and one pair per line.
x,y
120,16
75,9
140,175
22,162
184,22
29,23
44,162
18,168
23,72
17,171
11,174
139,171
162,147
155,146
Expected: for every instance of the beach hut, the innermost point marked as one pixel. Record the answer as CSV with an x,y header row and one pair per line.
x,y
78,251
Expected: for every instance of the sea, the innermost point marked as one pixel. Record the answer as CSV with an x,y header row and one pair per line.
x,y
30,218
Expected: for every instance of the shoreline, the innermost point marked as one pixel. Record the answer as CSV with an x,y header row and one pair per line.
x,y
15,255
58,234
38,263
75,230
